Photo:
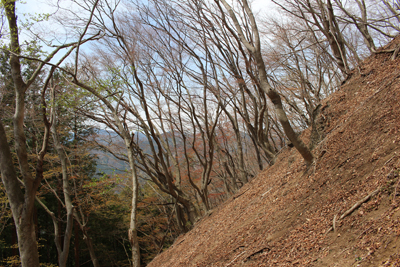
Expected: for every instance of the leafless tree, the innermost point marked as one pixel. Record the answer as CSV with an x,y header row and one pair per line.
x,y
302,70
253,45
319,16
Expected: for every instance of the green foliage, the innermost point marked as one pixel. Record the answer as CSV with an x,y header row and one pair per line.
x,y
109,211
156,222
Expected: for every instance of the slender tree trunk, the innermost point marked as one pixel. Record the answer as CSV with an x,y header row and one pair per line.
x,y
59,216
128,139
205,200
14,241
66,241
87,239
90,247
76,228
242,174
132,232
254,49
288,129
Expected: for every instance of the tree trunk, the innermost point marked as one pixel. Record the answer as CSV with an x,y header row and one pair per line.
x,y
27,242
89,245
14,240
132,232
254,49
64,243
76,228
180,219
21,207
87,240
290,133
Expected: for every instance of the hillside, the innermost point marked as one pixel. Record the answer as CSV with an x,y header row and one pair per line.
x,y
284,216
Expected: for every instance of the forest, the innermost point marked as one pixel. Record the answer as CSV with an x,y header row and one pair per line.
x,y
123,122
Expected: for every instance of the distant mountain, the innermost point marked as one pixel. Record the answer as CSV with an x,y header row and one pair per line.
x,y
106,162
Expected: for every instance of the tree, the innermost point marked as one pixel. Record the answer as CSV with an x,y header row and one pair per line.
x,y
253,45
128,141
304,73
22,201
72,205
319,16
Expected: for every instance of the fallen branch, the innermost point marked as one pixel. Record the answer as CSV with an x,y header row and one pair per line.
x,y
353,208
395,192
257,252
235,259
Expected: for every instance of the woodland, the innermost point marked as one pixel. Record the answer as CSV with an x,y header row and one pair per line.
x,y
124,122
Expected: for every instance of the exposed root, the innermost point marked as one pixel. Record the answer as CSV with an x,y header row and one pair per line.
x,y
395,52
235,197
359,203
353,208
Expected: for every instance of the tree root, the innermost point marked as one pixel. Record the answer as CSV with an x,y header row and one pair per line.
x,y
235,197
395,51
353,208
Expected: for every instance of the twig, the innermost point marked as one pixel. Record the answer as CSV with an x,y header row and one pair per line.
x,y
343,250
266,192
395,188
395,154
334,223
395,192
363,232
235,259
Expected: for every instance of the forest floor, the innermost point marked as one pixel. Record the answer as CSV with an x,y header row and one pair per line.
x,y
294,215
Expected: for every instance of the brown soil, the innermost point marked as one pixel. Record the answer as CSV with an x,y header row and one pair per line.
x,y
283,216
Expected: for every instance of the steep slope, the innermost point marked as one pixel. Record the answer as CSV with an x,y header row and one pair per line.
x,y
284,216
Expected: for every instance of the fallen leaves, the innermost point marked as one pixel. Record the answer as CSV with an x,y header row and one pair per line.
x,y
281,217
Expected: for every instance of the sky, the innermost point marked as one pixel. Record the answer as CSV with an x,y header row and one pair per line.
x,y
51,31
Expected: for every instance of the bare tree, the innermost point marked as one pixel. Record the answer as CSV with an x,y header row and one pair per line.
x,y
319,16
253,45
302,70
361,22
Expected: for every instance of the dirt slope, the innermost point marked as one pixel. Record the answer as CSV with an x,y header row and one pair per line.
x,y
282,217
